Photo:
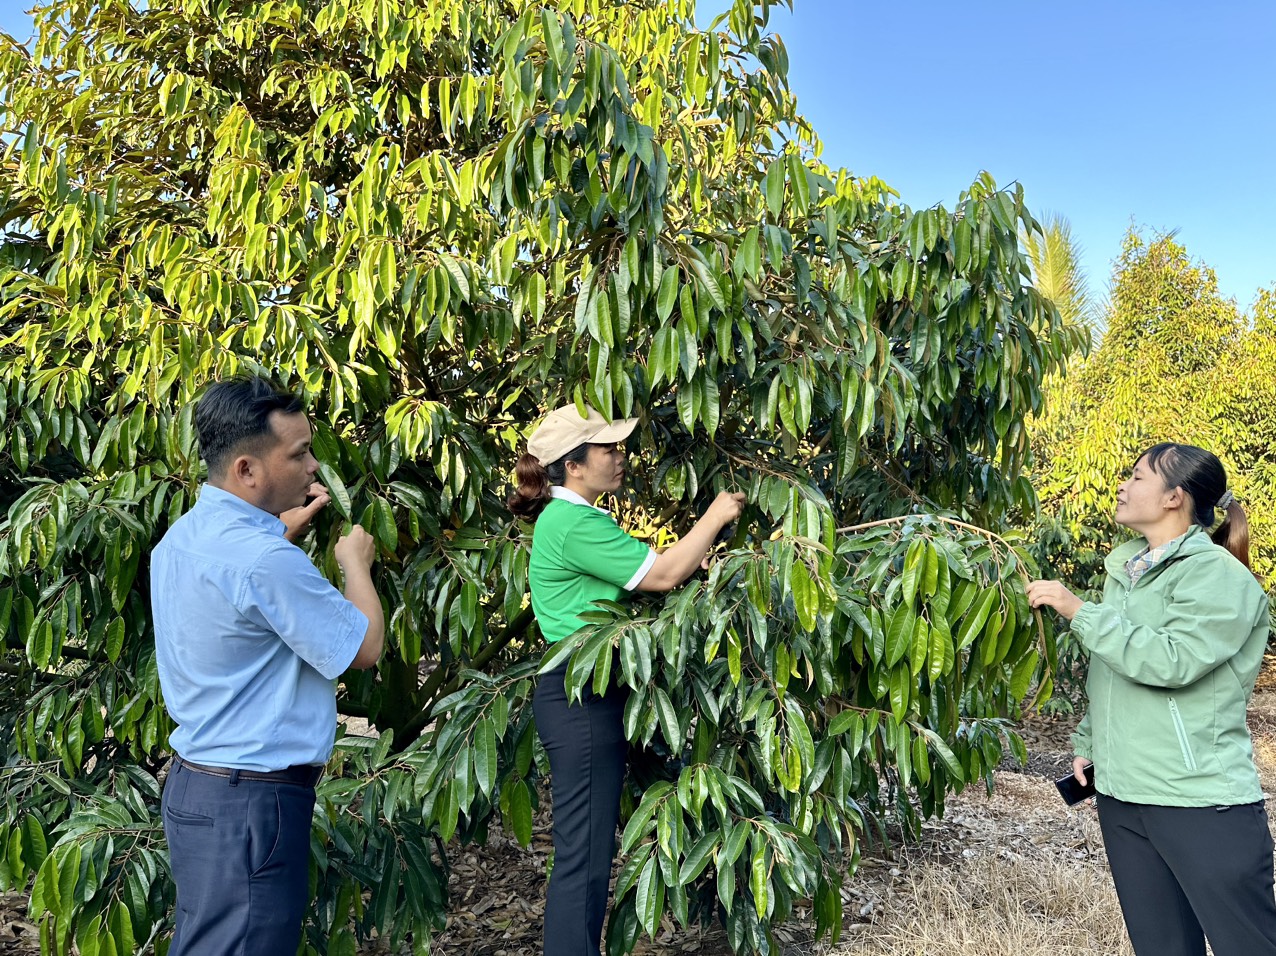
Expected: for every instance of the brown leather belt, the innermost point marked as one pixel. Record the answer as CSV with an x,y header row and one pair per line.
x,y
302,774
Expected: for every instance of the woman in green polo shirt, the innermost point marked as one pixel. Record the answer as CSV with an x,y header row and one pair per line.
x,y
579,556
1175,646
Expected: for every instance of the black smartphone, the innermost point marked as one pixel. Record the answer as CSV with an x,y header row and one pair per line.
x,y
1072,791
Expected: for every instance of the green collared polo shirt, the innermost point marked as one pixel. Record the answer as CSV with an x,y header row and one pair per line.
x,y
579,556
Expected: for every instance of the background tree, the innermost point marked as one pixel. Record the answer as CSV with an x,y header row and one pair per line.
x,y
1178,362
437,221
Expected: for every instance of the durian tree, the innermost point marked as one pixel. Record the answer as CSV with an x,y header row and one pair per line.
x,y
437,221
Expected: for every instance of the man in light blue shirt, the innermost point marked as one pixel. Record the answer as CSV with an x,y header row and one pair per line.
x,y
249,640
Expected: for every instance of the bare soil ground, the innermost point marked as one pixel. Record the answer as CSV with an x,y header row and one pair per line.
x,y
1014,873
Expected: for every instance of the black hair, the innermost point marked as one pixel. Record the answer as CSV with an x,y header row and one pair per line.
x,y
1201,476
233,416
531,495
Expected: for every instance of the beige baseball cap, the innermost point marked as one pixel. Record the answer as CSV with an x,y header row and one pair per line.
x,y
563,429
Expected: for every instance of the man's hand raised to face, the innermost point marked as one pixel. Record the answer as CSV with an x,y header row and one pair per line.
x,y
297,520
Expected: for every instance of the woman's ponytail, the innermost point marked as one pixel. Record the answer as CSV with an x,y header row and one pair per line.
x,y
531,495
1233,533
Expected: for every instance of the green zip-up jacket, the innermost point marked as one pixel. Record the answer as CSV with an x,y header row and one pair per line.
x,y
1173,660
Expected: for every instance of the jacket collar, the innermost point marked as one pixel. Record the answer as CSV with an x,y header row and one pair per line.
x,y
1194,541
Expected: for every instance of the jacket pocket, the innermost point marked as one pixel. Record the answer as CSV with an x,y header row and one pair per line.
x,y
1185,745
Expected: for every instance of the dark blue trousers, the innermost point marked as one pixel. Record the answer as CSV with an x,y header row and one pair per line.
x,y
586,746
241,859
1183,874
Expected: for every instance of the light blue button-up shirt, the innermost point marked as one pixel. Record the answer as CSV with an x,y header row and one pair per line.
x,y
249,638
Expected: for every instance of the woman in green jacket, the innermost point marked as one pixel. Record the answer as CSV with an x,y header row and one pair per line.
x,y
1175,647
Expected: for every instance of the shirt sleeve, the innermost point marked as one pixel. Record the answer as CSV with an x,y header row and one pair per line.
x,y
1202,626
597,546
285,593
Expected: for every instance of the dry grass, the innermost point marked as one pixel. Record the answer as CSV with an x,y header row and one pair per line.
x,y
1265,760
988,907
1262,725
1012,874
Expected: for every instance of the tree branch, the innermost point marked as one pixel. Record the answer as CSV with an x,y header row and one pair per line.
x,y
974,529
69,652
444,681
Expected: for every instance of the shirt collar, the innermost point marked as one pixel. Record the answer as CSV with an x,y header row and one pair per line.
x,y
1124,556
566,494
219,499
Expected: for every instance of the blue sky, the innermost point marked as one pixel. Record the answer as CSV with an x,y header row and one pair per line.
x,y
1157,113
1107,113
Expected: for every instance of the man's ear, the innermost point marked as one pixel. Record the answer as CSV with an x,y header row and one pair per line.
x,y
243,470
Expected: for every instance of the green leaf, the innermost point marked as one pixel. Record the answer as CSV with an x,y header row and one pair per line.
x,y
552,30
709,283
940,652
519,817
901,684
912,567
650,900
930,576
337,489
31,145
992,637
920,646
775,187
698,857
114,639
801,188
458,274
975,620
485,756
1021,678
669,723
668,293
44,892
726,885
806,596
759,879
941,749
34,846
342,943
899,635
748,256
843,722
899,278
122,928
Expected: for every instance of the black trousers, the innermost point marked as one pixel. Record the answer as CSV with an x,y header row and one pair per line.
x,y
241,860
1187,873
587,749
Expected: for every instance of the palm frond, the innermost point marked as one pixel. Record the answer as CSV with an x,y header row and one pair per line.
x,y
1056,270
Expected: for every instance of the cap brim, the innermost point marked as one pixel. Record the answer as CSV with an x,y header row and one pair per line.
x,y
617,431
